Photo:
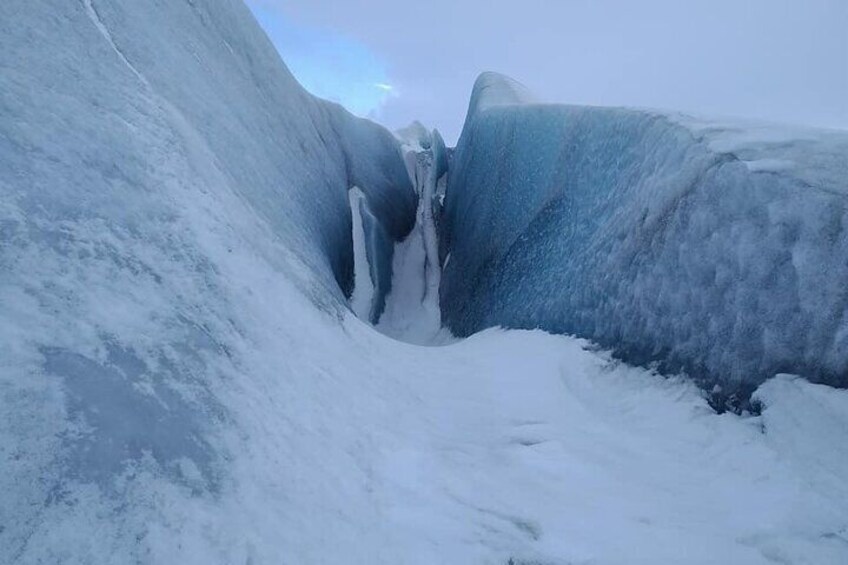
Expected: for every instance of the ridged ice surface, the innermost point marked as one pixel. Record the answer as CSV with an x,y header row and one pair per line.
x,y
717,248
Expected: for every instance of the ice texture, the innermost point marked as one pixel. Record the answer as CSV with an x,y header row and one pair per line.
x,y
718,248
379,252
412,307
161,171
182,382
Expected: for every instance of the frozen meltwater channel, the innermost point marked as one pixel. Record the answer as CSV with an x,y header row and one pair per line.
x,y
411,311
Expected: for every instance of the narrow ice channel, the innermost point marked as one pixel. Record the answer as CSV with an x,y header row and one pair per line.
x,y
412,307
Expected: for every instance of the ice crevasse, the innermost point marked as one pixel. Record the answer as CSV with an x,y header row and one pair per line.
x,y
182,379
715,248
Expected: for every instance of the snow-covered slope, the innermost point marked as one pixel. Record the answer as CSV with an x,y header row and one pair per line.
x,y
182,382
714,248
162,178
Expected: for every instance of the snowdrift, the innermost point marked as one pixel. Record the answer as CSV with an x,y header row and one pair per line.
x,y
718,249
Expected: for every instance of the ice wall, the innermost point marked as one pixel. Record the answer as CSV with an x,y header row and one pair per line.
x,y
167,193
719,249
379,252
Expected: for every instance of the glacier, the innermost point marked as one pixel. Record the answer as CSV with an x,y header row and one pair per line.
x,y
714,248
185,235
156,165
412,311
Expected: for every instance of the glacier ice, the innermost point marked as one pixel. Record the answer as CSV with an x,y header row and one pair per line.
x,y
412,307
158,166
715,248
181,380
379,252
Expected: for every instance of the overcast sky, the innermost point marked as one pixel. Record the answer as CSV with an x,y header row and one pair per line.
x,y
399,60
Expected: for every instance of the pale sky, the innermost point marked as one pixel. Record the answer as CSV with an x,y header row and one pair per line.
x,y
400,60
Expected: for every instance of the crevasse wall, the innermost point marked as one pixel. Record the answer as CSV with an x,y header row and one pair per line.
x,y
89,94
717,249
164,185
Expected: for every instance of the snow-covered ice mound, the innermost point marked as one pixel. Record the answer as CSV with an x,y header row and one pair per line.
x,y
163,181
181,380
719,249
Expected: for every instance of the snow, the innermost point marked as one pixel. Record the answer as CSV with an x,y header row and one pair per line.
x,y
815,156
159,169
506,445
713,247
181,380
590,461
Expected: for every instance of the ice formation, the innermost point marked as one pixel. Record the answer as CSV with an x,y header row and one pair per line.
x,y
160,170
412,308
182,230
712,248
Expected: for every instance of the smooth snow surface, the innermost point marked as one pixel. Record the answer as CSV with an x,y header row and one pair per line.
x,y
181,380
711,247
